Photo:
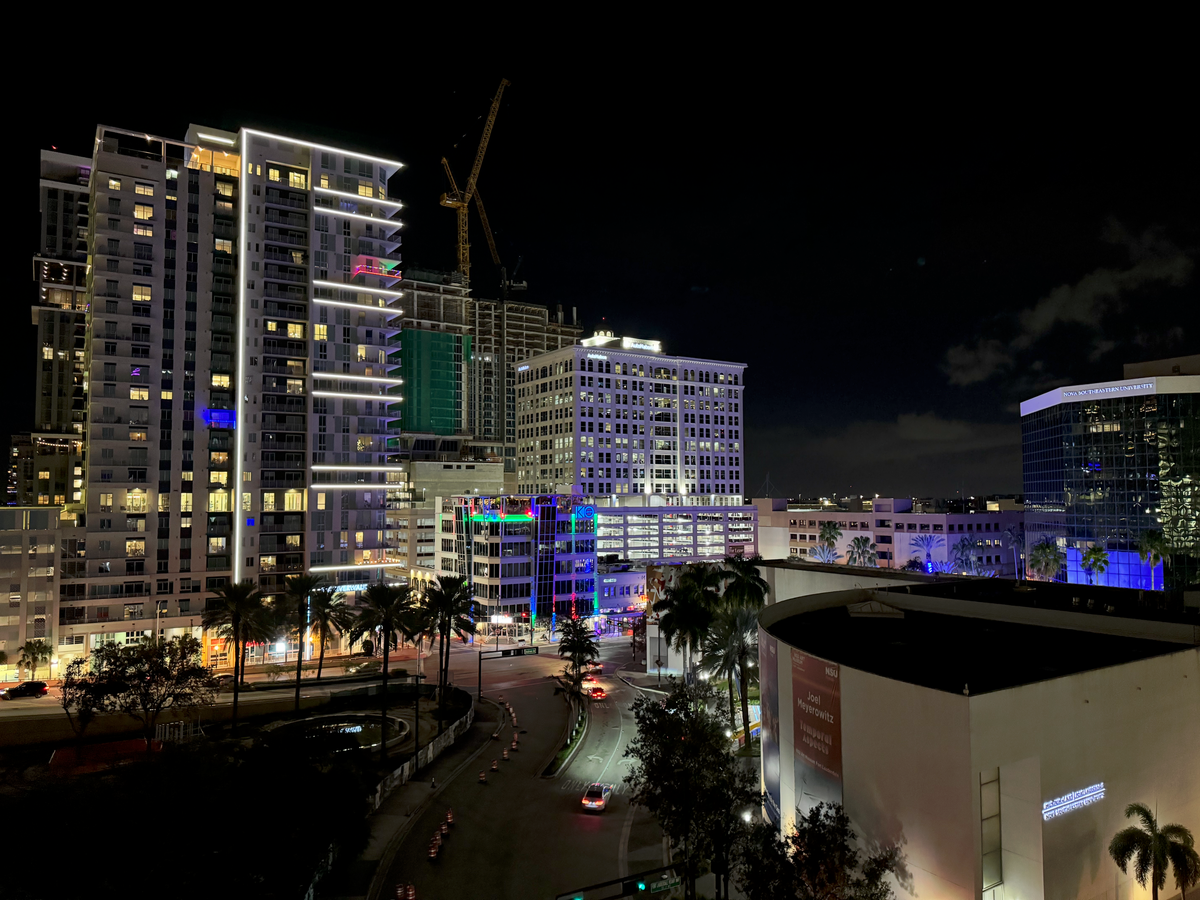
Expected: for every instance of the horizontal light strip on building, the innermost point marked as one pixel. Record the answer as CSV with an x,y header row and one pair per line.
x,y
359,197
346,304
290,140
348,568
341,286
329,210
339,377
214,137
347,395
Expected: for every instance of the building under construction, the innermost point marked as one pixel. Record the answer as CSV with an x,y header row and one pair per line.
x,y
458,358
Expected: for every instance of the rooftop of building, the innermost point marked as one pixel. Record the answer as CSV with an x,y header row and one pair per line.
x,y
980,634
606,342
1177,375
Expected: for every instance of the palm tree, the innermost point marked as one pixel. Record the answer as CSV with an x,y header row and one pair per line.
x,y
451,602
299,589
1095,558
1151,848
229,616
1153,547
687,609
926,543
744,586
328,612
730,647
33,654
418,625
383,606
1016,542
861,552
831,533
577,643
824,553
963,554
1046,559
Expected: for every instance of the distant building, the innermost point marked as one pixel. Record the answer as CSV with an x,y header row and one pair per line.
x,y
616,416
1105,463
898,531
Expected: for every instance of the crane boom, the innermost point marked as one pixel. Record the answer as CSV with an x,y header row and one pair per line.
x,y
483,140
487,228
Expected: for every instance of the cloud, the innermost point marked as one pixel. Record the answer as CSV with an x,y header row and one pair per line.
x,y
915,454
967,365
1153,261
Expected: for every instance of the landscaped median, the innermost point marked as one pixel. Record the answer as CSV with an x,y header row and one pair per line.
x,y
577,725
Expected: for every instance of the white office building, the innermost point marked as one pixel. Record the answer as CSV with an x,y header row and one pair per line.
x,y
615,416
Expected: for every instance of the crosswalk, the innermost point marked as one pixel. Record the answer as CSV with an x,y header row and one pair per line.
x,y
578,785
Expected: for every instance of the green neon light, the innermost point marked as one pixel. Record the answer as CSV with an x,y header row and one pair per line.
x,y
496,517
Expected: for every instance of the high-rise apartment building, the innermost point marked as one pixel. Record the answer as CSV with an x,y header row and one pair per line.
x,y
1106,463
617,416
459,354
239,325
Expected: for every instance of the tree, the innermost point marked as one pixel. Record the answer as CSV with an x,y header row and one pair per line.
x,y
830,533
383,606
33,654
963,554
1046,559
861,552
744,586
914,565
145,679
1094,559
684,774
577,644
730,649
1153,547
79,695
816,861
1151,848
1015,538
451,602
327,613
231,616
299,588
824,553
687,608
926,543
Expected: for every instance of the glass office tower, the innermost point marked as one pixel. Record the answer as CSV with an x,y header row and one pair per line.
x,y
1104,464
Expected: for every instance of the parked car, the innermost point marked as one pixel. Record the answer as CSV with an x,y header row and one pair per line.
x,y
25,689
595,798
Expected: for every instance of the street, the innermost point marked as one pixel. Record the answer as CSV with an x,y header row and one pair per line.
x,y
522,835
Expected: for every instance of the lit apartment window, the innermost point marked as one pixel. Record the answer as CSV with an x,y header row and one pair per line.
x,y
167,395
106,502
185,505
221,478
139,393
216,544
272,174
295,385
272,326
143,211
320,332
141,293
47,353
298,180
223,246
135,547
325,181
293,501
137,435
224,188
295,330
114,184
146,190
269,502
220,381
320,499
366,189
44,474
143,230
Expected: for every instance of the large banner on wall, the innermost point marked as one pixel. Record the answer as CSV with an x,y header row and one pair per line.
x,y
768,668
817,722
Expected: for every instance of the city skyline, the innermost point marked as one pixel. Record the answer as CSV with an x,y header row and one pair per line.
x,y
893,304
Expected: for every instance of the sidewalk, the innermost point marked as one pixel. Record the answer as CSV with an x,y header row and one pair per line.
x,y
643,681
391,821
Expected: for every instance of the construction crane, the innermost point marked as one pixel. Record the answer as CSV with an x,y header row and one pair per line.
x,y
459,201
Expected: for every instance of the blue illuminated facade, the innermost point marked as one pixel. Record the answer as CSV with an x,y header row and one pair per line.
x,y
1105,463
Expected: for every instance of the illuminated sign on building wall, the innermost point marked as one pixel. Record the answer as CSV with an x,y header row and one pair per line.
x,y
1060,806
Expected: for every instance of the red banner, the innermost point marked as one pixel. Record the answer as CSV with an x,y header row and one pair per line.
x,y
817,730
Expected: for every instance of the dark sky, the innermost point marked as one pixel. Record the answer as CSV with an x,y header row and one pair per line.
x,y
900,258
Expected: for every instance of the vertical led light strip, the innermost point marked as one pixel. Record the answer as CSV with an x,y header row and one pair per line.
x,y
238,430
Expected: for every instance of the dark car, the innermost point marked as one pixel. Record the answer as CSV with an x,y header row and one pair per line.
x,y
25,689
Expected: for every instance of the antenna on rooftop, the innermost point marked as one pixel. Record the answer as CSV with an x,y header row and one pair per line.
x,y
767,487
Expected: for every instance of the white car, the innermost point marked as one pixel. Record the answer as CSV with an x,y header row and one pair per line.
x,y
595,798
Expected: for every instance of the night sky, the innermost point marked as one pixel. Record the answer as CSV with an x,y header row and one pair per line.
x,y
899,263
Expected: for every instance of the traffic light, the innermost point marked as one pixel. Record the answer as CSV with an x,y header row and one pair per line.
x,y
635,887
